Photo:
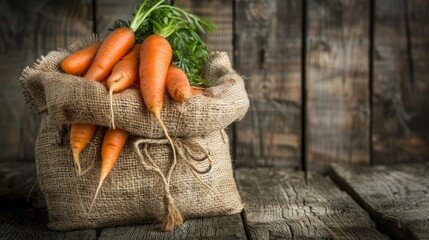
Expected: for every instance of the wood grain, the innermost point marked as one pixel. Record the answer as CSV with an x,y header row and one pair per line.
x,y
223,227
220,13
280,205
31,29
268,55
337,77
395,196
108,11
31,224
401,89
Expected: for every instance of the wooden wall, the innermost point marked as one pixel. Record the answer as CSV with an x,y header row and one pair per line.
x,y
328,80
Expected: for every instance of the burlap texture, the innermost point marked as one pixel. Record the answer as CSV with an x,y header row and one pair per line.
x,y
70,99
131,193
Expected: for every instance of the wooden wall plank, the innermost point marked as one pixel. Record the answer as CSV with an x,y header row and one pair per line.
x,y
401,89
337,77
219,12
268,55
30,29
108,11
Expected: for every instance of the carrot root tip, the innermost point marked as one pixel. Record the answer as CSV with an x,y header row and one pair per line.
x,y
115,77
181,95
77,162
112,115
95,195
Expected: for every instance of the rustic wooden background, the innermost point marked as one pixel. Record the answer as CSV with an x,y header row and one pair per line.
x,y
328,80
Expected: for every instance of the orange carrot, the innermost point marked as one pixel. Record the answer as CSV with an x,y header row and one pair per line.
x,y
80,137
78,62
126,71
113,142
155,58
124,74
111,50
177,84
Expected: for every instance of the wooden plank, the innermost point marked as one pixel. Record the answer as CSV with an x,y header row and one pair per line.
x,y
268,55
31,224
223,227
337,88
108,11
279,204
219,12
395,196
30,29
401,90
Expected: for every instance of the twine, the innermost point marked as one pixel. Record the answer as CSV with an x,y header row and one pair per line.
x,y
185,151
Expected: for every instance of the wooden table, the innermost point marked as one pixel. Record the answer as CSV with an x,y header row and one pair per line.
x,y
378,202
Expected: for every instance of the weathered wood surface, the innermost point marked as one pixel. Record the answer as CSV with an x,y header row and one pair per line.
x,y
108,11
220,13
31,29
223,227
31,224
337,72
279,204
401,89
396,197
268,55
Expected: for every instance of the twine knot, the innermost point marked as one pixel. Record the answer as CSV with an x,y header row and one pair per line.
x,y
186,152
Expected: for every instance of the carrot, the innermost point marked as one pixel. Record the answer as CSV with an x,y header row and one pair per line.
x,y
78,62
80,137
199,91
155,58
126,71
124,74
177,84
113,142
111,50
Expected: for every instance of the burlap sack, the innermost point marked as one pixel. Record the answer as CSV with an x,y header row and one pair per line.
x,y
138,189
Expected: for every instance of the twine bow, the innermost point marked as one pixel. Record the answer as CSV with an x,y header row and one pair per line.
x,y
184,150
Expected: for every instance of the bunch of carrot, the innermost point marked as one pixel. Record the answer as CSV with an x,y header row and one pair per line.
x,y
153,50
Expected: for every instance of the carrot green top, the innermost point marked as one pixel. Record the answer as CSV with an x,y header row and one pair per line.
x,y
180,28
